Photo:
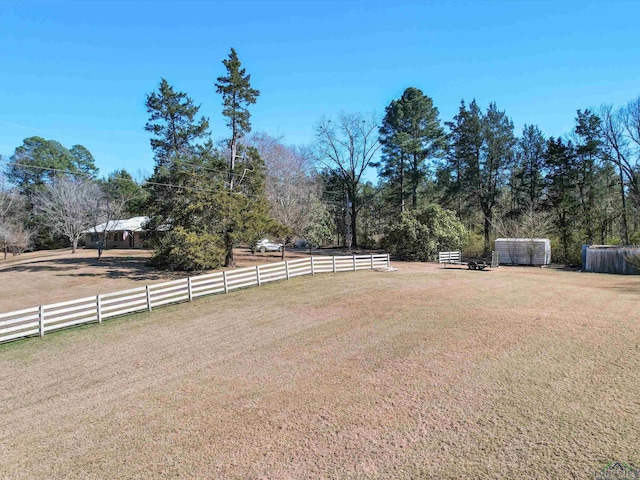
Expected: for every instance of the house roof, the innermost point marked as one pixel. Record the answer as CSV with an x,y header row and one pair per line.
x,y
130,224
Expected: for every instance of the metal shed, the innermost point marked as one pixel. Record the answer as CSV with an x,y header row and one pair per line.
x,y
609,259
524,251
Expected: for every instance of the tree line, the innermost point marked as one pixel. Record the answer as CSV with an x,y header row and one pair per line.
x,y
577,189
441,184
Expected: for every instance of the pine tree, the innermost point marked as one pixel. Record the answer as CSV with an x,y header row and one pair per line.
x,y
410,135
37,162
527,178
237,95
588,168
172,122
480,156
184,186
560,158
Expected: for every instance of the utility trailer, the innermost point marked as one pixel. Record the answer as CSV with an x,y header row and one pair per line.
x,y
455,258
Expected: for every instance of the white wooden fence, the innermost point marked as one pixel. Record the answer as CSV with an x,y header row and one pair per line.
x,y
47,318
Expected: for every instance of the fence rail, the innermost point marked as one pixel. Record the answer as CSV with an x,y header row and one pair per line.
x,y
47,318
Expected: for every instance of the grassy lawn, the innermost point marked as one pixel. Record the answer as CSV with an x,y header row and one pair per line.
x,y
52,276
419,373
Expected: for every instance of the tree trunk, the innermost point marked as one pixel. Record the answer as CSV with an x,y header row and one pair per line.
x,y
232,162
229,261
625,226
401,190
487,232
74,245
354,241
414,184
284,248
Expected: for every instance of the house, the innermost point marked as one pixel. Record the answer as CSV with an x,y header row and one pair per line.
x,y
127,233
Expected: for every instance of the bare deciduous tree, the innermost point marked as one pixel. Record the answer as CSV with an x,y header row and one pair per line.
x,y
68,207
108,210
13,214
531,224
621,132
291,185
347,148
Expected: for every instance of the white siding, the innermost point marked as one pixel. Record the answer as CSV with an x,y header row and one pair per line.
x,y
524,251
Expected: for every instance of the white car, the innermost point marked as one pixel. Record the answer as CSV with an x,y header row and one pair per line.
x,y
266,245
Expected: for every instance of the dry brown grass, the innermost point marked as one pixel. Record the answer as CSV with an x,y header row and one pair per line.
x,y
51,276
420,373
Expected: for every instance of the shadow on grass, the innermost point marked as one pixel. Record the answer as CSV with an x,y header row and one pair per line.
x,y
133,268
625,288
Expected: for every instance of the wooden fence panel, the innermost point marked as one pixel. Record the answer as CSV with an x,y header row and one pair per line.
x,y
208,284
67,314
169,292
46,318
611,260
123,302
21,323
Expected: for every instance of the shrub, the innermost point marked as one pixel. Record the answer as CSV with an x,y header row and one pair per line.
x,y
420,234
180,249
474,244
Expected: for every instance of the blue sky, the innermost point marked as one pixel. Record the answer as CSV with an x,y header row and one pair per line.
x,y
78,72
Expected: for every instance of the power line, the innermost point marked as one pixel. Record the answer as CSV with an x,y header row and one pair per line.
x,y
224,172
70,172
149,182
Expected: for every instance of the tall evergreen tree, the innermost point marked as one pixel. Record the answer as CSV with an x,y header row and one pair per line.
x,y
173,124
181,191
480,156
237,95
83,160
457,175
496,161
560,161
527,178
588,152
410,135
37,162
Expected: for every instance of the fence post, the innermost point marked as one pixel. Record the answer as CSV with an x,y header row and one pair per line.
x,y
312,267
224,281
99,308
41,320
388,261
334,263
190,288
258,274
286,268
148,298
354,263
372,261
